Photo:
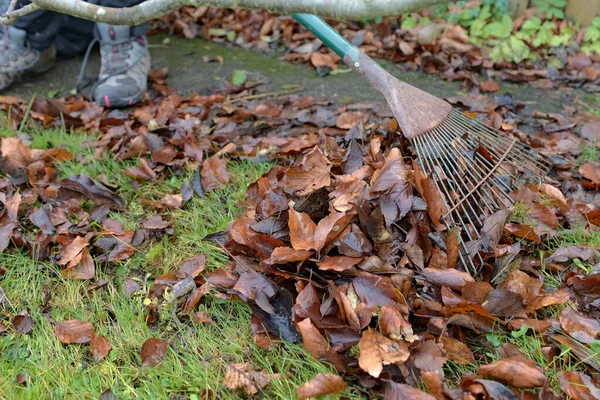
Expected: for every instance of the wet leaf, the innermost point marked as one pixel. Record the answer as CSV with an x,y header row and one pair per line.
x,y
74,331
153,352
321,385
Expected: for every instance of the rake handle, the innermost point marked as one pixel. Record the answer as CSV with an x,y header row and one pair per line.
x,y
325,32
352,55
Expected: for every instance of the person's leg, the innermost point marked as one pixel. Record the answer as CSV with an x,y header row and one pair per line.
x,y
125,61
26,46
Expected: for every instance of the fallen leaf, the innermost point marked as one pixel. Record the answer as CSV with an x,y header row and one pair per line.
x,y
172,201
516,371
193,266
457,351
214,174
73,331
339,263
348,119
591,171
580,327
578,386
376,351
241,376
452,278
321,385
400,391
23,322
317,346
84,269
100,347
489,86
283,255
302,229
153,352
311,174
93,190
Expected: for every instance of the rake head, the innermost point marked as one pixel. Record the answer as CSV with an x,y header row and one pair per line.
x,y
474,167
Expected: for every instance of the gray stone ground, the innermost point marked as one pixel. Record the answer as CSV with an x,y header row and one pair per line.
x,y
189,73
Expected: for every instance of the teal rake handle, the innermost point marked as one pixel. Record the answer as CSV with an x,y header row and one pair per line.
x,y
325,32
417,112
351,54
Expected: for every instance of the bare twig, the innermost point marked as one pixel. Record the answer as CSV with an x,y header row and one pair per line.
x,y
11,17
150,9
11,6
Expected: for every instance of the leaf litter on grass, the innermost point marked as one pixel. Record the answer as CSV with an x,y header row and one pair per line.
x,y
340,247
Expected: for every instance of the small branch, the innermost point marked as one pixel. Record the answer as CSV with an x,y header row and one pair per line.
x,y
11,16
150,9
11,6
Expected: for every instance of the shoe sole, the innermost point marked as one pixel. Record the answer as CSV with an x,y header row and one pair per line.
x,y
121,103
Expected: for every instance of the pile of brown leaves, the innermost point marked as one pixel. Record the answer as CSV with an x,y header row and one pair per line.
x,y
342,249
436,48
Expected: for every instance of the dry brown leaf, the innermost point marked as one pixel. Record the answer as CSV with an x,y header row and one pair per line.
x,y
489,86
153,351
302,229
73,249
400,391
394,324
311,174
578,386
214,174
83,268
321,385
457,351
283,255
322,60
23,322
516,371
317,346
580,327
339,263
242,376
74,331
100,347
193,266
452,278
348,120
376,351
591,171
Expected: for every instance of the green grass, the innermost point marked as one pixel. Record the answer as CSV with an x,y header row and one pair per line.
x,y
198,354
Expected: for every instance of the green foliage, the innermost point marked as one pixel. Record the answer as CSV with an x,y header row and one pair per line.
x,y
511,49
552,8
499,29
592,38
408,22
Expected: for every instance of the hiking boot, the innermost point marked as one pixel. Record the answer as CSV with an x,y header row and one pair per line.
x,y
17,58
125,67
